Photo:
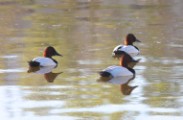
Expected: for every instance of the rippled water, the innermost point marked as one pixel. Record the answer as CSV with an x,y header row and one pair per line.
x,y
85,32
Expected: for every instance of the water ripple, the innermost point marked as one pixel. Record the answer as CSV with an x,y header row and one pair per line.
x,y
16,70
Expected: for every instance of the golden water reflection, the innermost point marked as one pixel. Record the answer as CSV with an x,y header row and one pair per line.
x,y
123,82
86,33
46,71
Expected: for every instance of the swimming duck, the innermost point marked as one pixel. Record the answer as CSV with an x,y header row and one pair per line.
x,y
122,70
128,46
47,60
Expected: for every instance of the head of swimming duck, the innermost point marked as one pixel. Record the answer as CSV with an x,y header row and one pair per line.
x,y
50,51
130,39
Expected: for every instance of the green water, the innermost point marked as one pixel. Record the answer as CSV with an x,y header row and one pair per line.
x,y
85,32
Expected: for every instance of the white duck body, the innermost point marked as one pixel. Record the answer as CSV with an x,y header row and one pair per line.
x,y
45,61
118,71
130,49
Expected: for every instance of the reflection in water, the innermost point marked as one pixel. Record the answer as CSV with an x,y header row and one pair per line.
x,y
127,89
124,81
86,32
47,71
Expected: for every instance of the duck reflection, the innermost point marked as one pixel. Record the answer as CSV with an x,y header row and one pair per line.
x,y
47,71
125,88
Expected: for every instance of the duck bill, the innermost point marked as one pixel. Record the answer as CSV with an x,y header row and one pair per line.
x,y
137,40
58,54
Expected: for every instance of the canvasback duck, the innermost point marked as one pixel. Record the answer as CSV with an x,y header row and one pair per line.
x,y
47,60
128,46
122,70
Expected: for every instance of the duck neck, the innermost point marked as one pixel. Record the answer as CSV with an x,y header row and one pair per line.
x,y
55,62
131,70
45,54
127,42
124,61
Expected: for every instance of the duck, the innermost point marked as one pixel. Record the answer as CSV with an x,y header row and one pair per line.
x,y
121,70
128,46
46,60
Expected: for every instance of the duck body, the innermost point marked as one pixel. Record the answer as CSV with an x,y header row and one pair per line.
x,y
41,70
46,60
130,49
120,80
121,70
116,71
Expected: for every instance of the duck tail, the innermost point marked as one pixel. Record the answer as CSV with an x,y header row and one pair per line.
x,y
104,74
138,60
133,63
33,64
117,52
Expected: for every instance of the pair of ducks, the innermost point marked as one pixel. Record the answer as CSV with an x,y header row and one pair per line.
x,y
124,52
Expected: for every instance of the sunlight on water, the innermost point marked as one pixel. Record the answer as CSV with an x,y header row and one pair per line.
x,y
85,33
109,109
12,70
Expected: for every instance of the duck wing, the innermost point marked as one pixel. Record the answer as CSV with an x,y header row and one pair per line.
x,y
44,61
117,71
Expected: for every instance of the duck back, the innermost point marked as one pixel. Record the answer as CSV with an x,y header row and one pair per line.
x,y
117,71
131,50
45,61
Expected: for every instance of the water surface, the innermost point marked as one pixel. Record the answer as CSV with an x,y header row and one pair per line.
x,y
86,32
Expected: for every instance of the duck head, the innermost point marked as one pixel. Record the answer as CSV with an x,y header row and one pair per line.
x,y
130,39
50,51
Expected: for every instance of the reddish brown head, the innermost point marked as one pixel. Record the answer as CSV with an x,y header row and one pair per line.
x,y
50,51
130,39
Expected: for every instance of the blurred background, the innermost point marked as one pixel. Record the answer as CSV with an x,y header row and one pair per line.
x,y
85,33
